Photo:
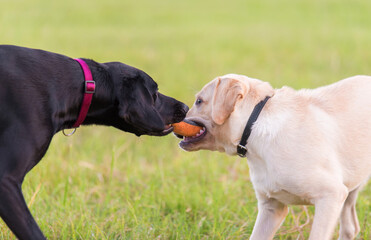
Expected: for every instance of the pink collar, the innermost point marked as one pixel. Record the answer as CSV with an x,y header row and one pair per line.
x,y
88,94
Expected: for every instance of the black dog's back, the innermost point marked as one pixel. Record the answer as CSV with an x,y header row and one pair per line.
x,y
23,68
33,82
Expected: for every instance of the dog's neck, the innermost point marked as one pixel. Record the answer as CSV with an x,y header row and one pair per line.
x,y
103,103
240,117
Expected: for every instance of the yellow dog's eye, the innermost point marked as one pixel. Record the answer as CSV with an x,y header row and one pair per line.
x,y
198,101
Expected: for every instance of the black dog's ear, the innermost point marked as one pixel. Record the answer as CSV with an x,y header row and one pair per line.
x,y
134,97
141,116
137,108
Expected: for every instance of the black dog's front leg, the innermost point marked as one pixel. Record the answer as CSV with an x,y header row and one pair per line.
x,y
15,213
19,153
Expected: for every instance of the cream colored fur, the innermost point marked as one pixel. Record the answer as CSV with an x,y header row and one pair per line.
x,y
307,147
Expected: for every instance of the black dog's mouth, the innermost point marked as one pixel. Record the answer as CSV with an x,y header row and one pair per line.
x,y
168,129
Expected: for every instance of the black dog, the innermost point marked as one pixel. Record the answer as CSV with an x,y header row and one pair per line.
x,y
41,93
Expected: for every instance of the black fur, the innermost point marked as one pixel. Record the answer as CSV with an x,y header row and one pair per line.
x,y
41,93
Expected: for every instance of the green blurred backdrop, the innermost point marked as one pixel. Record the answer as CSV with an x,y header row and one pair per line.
x,y
105,184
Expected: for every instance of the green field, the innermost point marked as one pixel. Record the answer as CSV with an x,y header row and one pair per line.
x,y
106,184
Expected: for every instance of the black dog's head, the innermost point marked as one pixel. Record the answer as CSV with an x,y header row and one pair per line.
x,y
141,109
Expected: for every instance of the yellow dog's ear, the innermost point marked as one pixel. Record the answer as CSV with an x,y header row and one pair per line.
x,y
227,92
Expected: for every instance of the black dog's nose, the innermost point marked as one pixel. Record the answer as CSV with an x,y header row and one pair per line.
x,y
180,112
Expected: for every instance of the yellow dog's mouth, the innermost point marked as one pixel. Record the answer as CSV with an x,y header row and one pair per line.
x,y
190,131
195,138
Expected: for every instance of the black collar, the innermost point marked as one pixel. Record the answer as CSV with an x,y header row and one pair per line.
x,y
241,148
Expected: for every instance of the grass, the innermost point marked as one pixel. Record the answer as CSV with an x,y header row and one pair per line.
x,y
105,184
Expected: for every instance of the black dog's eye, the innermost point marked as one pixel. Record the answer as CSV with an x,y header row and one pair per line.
x,y
198,101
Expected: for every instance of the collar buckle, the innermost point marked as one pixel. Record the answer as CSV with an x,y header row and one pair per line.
x,y
89,86
241,150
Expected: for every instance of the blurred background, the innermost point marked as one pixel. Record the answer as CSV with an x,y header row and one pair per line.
x,y
105,184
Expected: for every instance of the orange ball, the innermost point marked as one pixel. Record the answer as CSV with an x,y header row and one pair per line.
x,y
187,129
